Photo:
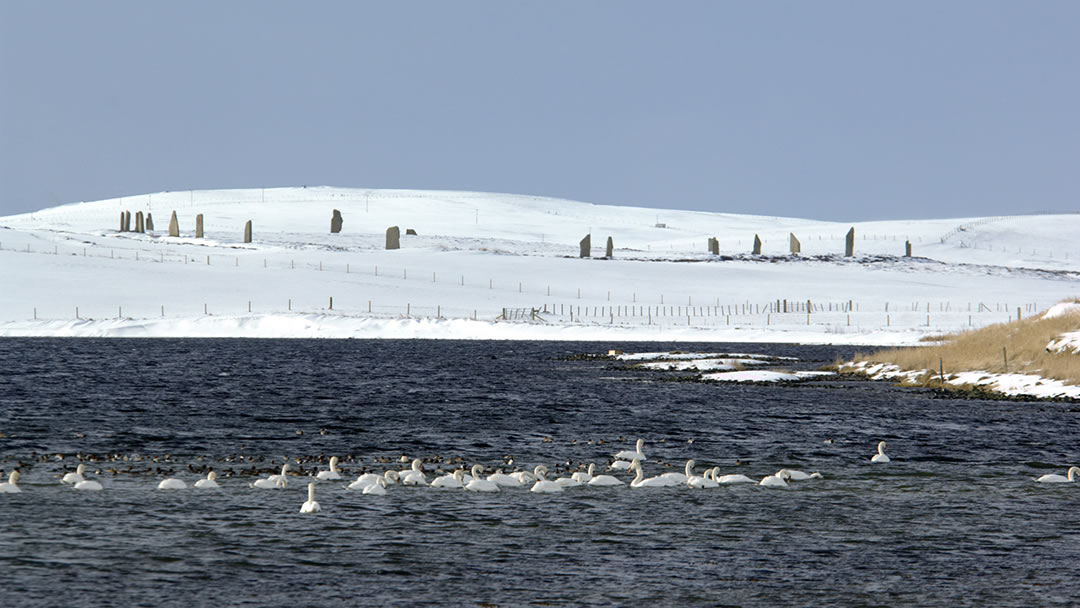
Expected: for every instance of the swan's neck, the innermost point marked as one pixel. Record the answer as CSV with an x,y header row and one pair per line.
x,y
1072,473
333,464
689,468
638,474
640,443
211,476
310,492
592,467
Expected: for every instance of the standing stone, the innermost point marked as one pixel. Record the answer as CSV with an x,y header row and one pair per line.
x,y
149,221
714,245
907,249
122,222
410,232
393,237
127,221
198,226
796,246
609,251
757,245
174,225
335,222
139,222
247,232
586,246
849,244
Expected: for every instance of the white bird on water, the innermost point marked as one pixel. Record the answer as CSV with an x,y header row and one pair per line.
x,y
266,484
310,506
209,482
284,469
637,454
333,473
880,456
172,483
478,483
378,488
542,485
779,480
88,485
794,475
453,480
415,475
1072,473
11,486
75,477
652,482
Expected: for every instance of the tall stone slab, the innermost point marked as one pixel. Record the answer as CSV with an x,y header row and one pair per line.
x,y
907,249
849,243
714,245
335,222
247,232
127,221
149,221
198,226
586,246
393,237
139,226
122,228
757,245
174,225
609,250
796,246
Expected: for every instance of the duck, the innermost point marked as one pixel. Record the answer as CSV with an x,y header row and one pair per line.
x,y
332,474
310,506
172,483
88,485
479,484
778,480
453,480
637,454
799,475
414,476
880,456
652,482
1072,473
11,486
76,477
542,485
209,482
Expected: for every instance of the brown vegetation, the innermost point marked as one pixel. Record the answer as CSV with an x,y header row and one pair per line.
x,y
1015,347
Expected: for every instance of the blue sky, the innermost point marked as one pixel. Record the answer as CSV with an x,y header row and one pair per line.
x,y
829,110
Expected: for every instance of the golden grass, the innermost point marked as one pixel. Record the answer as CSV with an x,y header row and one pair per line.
x,y
1015,347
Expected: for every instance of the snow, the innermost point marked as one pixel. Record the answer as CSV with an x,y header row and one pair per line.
x,y
1061,309
477,254
1007,384
763,376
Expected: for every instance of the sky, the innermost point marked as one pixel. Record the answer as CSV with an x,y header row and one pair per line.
x,y
846,111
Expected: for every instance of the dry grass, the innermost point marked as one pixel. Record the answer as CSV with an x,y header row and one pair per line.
x,y
1016,347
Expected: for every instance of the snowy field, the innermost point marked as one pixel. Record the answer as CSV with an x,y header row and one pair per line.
x,y
500,266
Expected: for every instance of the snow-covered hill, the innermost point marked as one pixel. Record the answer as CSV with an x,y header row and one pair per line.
x,y
69,271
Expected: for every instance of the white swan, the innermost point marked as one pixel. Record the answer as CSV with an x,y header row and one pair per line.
x,y
311,506
453,480
415,475
681,477
652,482
585,477
779,480
620,465
1072,474
880,456
606,480
11,486
525,477
266,484
799,475
731,478
172,483
504,480
637,454
88,485
702,482
209,482
369,479
333,473
542,485
378,488
75,477
284,469
479,484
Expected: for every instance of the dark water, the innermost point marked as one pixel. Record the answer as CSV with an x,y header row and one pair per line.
x,y
955,519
